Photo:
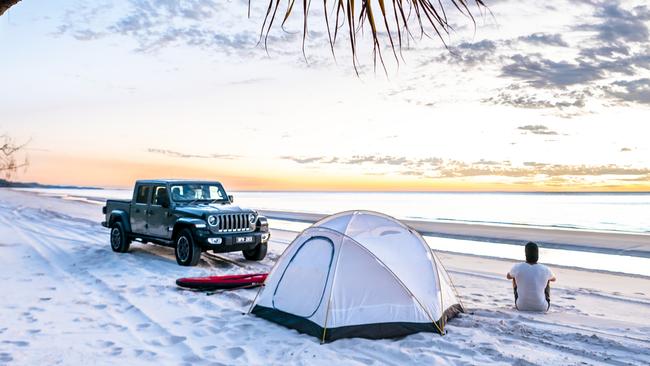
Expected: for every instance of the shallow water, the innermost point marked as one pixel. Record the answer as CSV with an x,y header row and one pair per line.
x,y
617,212
595,211
560,257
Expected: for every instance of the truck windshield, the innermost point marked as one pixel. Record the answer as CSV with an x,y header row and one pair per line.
x,y
190,192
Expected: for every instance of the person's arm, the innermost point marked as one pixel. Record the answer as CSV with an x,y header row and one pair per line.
x,y
511,275
551,276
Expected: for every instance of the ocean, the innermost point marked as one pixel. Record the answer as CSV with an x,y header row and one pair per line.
x,y
621,212
616,212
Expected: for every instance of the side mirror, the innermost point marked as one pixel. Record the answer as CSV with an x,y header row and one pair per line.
x,y
231,198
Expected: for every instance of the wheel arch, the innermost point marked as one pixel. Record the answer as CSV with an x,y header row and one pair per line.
x,y
122,217
186,223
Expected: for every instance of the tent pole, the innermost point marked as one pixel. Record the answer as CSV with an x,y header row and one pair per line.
x,y
329,297
255,299
451,282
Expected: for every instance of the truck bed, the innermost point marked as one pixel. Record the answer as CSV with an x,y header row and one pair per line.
x,y
112,205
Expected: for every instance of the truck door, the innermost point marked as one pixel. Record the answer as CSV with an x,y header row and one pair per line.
x,y
160,219
139,208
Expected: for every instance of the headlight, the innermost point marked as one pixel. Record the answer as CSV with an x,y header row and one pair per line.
x,y
213,220
251,218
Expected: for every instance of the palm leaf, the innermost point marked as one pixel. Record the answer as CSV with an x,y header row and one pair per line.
x,y
423,14
6,4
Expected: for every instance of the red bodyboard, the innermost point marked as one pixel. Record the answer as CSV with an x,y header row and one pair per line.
x,y
223,282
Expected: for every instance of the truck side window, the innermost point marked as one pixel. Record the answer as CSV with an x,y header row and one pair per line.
x,y
159,195
143,194
215,193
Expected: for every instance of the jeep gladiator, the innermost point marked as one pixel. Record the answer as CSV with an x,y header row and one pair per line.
x,y
190,216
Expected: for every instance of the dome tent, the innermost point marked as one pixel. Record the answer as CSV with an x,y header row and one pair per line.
x,y
358,274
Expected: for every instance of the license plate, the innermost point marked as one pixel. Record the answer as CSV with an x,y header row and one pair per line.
x,y
244,239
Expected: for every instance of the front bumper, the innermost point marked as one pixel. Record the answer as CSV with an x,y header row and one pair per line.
x,y
229,242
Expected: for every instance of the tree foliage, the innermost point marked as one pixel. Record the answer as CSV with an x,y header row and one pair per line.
x,y
9,152
6,4
394,18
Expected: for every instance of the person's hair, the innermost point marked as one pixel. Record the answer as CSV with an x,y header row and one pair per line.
x,y
532,252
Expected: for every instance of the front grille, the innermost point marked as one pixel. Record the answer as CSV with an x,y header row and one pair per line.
x,y
234,223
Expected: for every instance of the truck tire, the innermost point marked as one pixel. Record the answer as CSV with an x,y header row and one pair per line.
x,y
256,254
188,252
120,242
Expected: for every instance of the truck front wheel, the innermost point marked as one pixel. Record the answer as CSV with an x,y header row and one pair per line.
x,y
188,252
119,241
256,254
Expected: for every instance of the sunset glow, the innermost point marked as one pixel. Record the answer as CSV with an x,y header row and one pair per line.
x,y
526,102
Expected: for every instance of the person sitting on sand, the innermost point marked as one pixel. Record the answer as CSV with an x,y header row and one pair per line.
x,y
531,282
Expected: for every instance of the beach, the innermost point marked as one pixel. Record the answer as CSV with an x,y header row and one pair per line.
x,y
626,243
69,299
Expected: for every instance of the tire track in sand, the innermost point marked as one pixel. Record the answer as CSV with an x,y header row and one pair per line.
x,y
153,336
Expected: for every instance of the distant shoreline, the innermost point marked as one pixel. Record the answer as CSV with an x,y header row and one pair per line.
x,y
455,192
99,196
9,184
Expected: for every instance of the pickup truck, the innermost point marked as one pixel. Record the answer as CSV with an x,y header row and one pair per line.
x,y
189,216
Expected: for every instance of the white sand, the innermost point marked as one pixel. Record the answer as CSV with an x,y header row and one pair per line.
x,y
68,299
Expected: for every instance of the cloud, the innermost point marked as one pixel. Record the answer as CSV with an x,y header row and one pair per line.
x,y
488,162
436,168
356,159
386,160
176,154
86,35
631,91
534,169
617,48
153,25
537,130
587,73
540,72
521,99
618,24
156,24
625,64
467,53
544,39
608,50
303,160
485,45
643,178
534,164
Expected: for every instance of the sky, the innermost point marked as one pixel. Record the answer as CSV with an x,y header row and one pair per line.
x,y
537,96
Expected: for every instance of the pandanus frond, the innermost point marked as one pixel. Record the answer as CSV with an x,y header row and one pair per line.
x,y
425,15
6,4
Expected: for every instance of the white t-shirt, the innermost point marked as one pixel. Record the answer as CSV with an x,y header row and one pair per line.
x,y
531,282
